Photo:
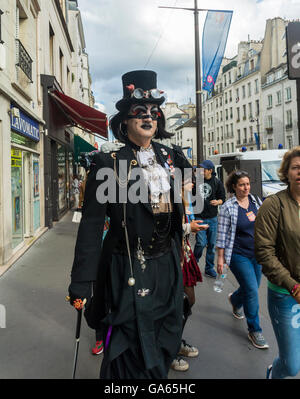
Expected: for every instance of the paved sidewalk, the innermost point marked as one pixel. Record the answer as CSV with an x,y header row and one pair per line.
x,y
38,341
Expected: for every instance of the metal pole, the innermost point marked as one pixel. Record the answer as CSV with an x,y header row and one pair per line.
x,y
198,89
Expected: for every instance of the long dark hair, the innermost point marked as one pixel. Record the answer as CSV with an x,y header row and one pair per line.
x,y
233,179
119,128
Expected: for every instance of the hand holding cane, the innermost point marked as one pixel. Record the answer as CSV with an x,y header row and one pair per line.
x,y
78,304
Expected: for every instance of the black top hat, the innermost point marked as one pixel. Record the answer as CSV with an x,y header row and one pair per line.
x,y
140,87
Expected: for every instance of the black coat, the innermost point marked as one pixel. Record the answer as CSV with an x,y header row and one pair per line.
x,y
92,262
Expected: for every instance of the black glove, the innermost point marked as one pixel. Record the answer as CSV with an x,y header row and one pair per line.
x,y
78,291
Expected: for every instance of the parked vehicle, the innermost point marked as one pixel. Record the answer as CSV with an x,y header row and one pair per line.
x,y
270,163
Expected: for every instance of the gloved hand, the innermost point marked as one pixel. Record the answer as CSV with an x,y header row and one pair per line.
x,y
109,147
79,293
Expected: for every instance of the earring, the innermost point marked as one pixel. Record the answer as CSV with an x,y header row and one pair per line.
x,y
123,133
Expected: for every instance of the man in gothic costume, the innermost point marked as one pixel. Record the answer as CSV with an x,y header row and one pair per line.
x,y
138,299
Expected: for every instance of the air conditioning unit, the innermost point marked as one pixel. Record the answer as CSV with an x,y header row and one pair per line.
x,y
2,57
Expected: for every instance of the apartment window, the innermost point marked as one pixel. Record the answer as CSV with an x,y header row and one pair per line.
x,y
288,92
237,95
278,74
231,129
232,147
290,142
257,107
1,41
228,150
249,89
231,113
61,67
225,81
270,78
51,49
239,136
243,91
251,64
238,114
226,100
220,101
230,95
250,110
245,135
217,117
270,121
270,101
256,86
244,112
221,116
278,94
289,119
229,77
226,114
270,144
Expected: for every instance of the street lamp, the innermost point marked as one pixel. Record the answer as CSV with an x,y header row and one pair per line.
x,y
252,120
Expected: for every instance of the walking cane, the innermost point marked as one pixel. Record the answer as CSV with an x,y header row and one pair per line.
x,y
77,336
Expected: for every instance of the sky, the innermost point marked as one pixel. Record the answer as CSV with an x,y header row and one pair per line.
x,y
126,35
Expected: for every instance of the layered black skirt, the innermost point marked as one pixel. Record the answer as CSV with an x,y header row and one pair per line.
x,y
144,328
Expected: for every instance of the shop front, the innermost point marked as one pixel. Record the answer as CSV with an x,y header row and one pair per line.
x,y
25,176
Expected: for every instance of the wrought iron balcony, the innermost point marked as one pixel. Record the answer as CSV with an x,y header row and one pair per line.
x,y
24,60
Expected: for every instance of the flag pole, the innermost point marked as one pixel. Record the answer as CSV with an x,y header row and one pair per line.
x,y
199,128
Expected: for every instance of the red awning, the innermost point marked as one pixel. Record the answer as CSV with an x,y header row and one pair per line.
x,y
82,115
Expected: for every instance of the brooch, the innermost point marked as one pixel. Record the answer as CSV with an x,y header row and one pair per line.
x,y
143,292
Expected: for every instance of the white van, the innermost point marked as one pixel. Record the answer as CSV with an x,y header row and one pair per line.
x,y
270,163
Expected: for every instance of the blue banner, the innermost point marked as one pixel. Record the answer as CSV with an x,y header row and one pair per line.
x,y
257,140
214,38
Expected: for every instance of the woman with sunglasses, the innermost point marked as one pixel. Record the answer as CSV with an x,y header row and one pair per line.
x,y
235,246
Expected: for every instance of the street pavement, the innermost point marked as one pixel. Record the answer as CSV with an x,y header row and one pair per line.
x,y
39,337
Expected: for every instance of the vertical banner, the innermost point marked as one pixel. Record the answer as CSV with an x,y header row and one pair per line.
x,y
214,38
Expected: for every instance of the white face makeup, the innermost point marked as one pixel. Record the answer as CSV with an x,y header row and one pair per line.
x,y
142,123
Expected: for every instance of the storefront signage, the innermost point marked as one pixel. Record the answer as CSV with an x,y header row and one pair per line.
x,y
25,126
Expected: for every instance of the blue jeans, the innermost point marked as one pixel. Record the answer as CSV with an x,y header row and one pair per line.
x,y
248,274
285,316
207,238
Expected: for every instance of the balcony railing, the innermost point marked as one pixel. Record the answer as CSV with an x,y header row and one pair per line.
x,y
269,129
289,126
24,60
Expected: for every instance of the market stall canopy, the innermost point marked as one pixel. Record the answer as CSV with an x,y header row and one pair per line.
x,y
81,145
82,115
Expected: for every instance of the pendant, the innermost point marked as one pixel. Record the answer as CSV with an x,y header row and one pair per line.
x,y
131,282
140,255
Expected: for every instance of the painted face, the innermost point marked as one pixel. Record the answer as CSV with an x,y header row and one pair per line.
x,y
294,173
242,187
142,120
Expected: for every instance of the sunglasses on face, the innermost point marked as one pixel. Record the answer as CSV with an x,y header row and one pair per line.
x,y
141,112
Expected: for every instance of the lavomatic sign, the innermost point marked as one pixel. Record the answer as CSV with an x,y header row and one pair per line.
x,y
293,49
24,125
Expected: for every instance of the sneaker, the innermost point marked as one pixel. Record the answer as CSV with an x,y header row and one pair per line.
x,y
188,350
258,340
236,313
210,273
269,372
179,364
98,348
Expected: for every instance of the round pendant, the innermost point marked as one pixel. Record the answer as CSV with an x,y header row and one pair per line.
x,y
131,281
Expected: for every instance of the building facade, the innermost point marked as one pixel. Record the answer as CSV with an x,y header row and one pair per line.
x,y
37,57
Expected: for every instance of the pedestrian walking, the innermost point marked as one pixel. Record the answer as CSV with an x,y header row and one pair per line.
x,y
213,193
139,290
277,246
75,187
235,246
191,276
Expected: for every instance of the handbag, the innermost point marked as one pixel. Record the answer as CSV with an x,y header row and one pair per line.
x,y
76,217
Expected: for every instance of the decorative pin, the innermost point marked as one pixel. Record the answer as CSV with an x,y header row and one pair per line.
x,y
140,255
133,162
113,155
143,292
